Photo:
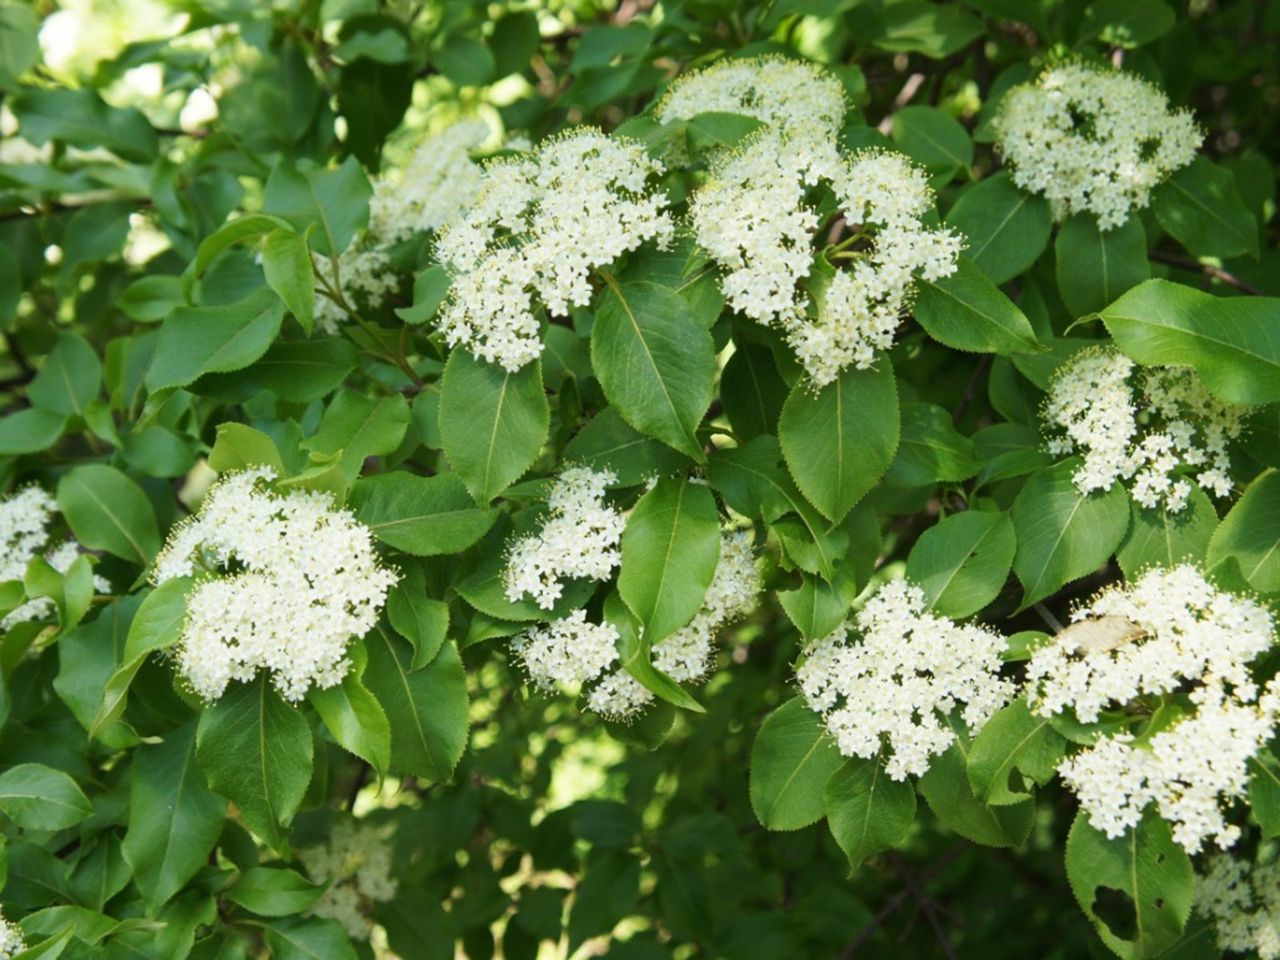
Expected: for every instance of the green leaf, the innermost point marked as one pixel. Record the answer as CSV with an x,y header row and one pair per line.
x,y
752,391
242,229
669,552
425,516
274,891
635,654
916,26
430,286
199,340
357,427
30,431
309,938
256,750
1250,534
933,138
81,118
19,42
961,563
69,377
966,311
1146,865
36,797
817,607
286,263
607,442
174,818
1264,793
427,708
655,365
296,371
792,759
354,716
867,810
1201,208
930,449
839,441
421,620
156,626
1007,228
237,447
108,511
1165,539
1232,342
1126,23
333,201
1096,266
1062,533
492,423
1014,746
945,787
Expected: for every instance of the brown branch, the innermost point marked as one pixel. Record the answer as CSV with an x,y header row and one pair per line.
x,y
898,899
1208,269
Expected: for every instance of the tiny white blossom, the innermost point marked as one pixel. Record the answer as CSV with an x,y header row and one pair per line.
x,y
1140,425
793,96
1242,900
24,521
364,271
306,581
356,863
755,220
579,539
11,941
1093,139
434,187
896,685
686,655
1168,632
566,652
539,226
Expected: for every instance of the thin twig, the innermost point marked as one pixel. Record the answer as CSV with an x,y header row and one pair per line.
x,y
971,389
895,902
926,904
1208,269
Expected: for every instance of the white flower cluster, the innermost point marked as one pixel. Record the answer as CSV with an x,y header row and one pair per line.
x,y
433,188
579,539
566,652
1243,902
356,863
1169,631
24,521
304,581
1093,139
793,96
686,655
11,942
1144,431
897,685
754,219
538,227
364,271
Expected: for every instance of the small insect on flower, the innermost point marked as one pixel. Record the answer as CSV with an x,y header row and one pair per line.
x,y
1169,633
896,684
284,582
1093,139
1149,426
537,229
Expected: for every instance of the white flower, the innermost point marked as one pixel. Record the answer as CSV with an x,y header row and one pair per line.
x,y
685,656
303,581
566,652
24,520
538,228
356,863
793,96
434,187
755,219
898,683
1142,426
1093,139
1169,632
11,942
579,539
1242,900
364,270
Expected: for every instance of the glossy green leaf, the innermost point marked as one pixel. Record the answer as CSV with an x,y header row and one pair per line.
x,y
867,810
108,511
425,516
791,761
1096,266
1250,534
961,563
1006,228
1201,208
966,311
37,797
199,340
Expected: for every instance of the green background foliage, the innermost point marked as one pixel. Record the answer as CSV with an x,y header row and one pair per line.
x,y
172,177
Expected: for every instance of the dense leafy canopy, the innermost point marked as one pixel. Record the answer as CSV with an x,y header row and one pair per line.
x,y
263,237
